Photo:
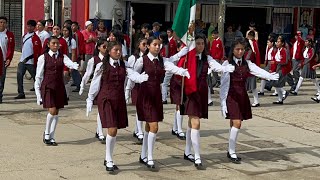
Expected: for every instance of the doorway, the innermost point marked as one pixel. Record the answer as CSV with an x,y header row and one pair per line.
x,y
148,13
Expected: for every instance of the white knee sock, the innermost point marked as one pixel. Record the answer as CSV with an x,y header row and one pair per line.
x,y
99,126
151,141
48,125
299,84
144,148
318,97
175,126
179,121
280,95
255,96
195,139
316,83
209,96
232,141
187,150
68,88
138,126
110,143
53,126
263,85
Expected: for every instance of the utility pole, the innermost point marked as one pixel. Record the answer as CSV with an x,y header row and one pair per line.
x,y
221,19
46,9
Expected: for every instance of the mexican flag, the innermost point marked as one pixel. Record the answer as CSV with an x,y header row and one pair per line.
x,y
185,17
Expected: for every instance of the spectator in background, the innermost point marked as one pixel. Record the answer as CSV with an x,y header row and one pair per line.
x,y
311,34
304,29
156,29
101,30
90,38
67,23
43,34
7,45
238,33
49,26
229,37
252,27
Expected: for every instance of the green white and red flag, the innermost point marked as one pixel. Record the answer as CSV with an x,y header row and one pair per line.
x,y
184,19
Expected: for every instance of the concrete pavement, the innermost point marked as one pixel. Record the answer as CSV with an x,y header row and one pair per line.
x,y
280,142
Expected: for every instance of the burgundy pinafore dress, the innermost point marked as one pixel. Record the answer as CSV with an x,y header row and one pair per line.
x,y
53,92
238,102
196,104
149,102
111,99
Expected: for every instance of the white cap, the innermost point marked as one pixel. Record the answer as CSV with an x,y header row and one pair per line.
x,y
88,23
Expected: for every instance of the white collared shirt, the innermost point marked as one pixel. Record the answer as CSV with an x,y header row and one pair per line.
x,y
170,38
199,55
71,46
305,53
278,55
111,61
4,43
295,46
236,60
269,54
27,48
43,35
151,57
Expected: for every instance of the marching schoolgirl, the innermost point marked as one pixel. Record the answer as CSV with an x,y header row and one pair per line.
x,y
282,67
56,31
49,85
235,102
196,101
98,55
149,104
270,52
175,97
107,88
307,67
252,53
141,48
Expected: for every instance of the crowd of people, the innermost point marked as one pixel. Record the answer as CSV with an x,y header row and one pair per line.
x,y
60,57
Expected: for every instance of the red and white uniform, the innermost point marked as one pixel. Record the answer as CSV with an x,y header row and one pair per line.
x,y
280,59
217,49
31,44
297,49
7,45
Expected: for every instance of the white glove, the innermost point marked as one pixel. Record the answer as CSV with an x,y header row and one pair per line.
x,y
224,111
89,106
81,90
142,78
209,71
75,66
127,95
185,73
39,100
274,77
229,68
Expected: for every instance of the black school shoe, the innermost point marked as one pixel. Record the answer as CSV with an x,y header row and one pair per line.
x,y
234,160
115,167
46,141
315,99
188,157
278,102
20,96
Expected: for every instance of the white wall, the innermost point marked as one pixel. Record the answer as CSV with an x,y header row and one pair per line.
x,y
105,7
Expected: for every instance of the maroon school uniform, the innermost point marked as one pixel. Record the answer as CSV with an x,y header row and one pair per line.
x,y
238,102
196,103
52,87
111,99
149,102
175,90
96,60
